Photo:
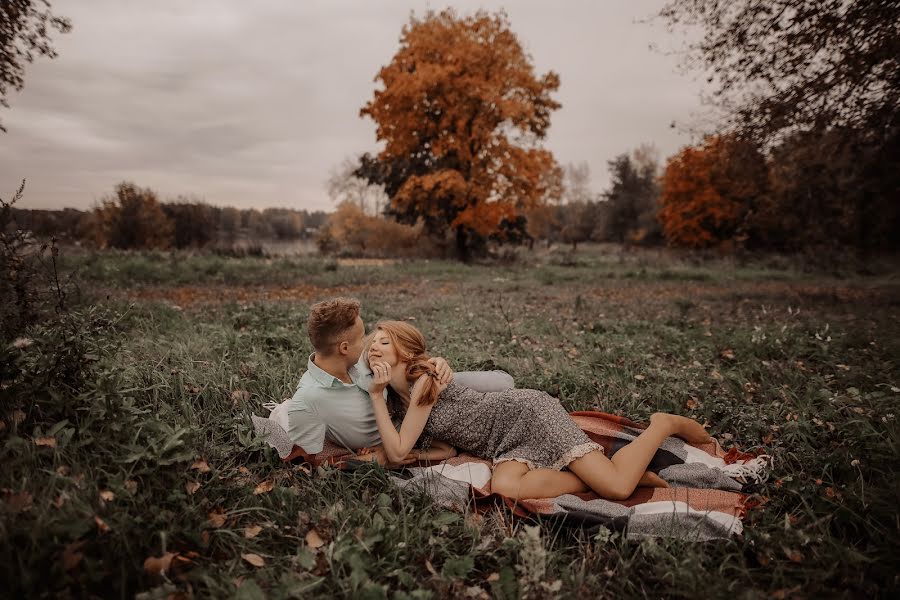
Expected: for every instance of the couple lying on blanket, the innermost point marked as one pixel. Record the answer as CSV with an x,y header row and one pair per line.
x,y
359,388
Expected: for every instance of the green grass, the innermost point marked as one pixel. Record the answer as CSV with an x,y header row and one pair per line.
x,y
749,345
118,269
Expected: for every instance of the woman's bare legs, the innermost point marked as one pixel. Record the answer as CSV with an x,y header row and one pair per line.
x,y
616,478
514,480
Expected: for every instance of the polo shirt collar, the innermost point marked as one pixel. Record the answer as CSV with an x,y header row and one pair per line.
x,y
326,379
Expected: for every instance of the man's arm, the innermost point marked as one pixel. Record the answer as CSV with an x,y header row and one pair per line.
x,y
306,430
481,381
486,381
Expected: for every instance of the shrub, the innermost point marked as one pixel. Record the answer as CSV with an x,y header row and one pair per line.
x,y
131,219
351,232
30,288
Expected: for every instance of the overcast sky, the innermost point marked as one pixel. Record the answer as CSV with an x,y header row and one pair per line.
x,y
252,104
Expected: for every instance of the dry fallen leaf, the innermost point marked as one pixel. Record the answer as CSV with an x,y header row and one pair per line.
x,y
191,487
18,502
727,353
107,495
217,518
692,403
243,470
314,540
18,416
238,396
71,555
254,559
49,442
2,426
252,532
782,593
430,568
102,527
60,500
473,519
131,486
264,488
493,577
62,470
157,565
794,555
201,466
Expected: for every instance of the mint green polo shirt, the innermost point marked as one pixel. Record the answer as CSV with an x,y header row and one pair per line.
x,y
324,406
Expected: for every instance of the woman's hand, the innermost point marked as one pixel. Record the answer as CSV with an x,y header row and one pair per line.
x,y
445,374
381,377
439,450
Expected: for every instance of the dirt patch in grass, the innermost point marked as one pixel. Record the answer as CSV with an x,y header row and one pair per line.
x,y
196,295
366,262
621,293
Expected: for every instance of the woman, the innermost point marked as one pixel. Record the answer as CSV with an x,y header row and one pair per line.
x,y
527,433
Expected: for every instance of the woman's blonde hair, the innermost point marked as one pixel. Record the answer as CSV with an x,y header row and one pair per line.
x,y
410,345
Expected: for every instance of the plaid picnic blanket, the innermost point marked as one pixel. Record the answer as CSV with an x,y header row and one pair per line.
x,y
704,500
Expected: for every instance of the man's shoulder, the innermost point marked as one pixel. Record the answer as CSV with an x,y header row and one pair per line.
x,y
307,394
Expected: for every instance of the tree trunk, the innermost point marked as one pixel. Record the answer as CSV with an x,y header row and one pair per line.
x,y
462,244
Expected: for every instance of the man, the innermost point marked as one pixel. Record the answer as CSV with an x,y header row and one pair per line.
x,y
332,399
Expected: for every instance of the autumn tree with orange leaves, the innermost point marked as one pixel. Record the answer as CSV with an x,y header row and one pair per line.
x,y
461,114
708,191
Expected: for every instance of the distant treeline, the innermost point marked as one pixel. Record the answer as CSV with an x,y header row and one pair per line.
x,y
135,218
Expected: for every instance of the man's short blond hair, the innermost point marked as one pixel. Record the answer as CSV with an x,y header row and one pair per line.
x,y
329,321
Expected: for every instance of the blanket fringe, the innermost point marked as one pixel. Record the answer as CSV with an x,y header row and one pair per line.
x,y
754,469
270,405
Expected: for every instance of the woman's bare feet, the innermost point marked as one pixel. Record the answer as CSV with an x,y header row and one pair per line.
x,y
687,429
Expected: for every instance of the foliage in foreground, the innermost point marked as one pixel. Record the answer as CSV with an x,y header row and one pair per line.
x,y
125,438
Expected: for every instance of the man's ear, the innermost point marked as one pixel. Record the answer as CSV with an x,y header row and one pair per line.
x,y
344,348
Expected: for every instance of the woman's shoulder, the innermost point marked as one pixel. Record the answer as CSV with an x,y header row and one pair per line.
x,y
455,388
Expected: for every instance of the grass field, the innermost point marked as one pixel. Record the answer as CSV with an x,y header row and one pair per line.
x,y
148,453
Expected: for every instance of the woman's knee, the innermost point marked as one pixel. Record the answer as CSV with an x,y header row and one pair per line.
x,y
615,492
505,486
507,480
596,470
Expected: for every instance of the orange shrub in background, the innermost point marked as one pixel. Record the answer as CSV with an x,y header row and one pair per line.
x,y
351,232
708,191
